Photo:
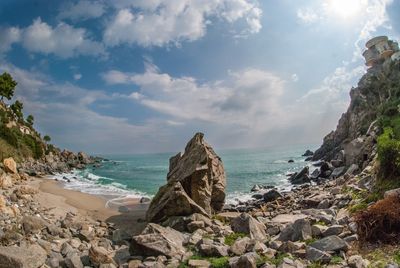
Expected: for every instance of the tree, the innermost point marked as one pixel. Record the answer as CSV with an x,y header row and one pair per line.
x,y
7,86
47,138
30,120
17,107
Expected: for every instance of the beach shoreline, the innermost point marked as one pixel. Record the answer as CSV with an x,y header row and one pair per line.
x,y
53,196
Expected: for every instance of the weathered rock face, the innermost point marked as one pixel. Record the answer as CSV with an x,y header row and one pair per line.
x,y
356,132
10,166
157,240
196,184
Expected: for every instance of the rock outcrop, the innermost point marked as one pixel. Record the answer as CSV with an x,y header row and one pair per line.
x,y
353,140
195,184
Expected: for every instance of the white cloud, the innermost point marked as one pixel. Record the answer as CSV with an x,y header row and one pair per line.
x,y
295,77
162,22
77,76
250,93
82,10
8,36
307,15
63,40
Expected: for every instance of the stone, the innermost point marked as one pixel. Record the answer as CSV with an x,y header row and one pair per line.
x,y
194,225
333,230
316,255
210,248
22,257
6,181
196,184
100,255
135,264
308,153
300,177
73,261
271,195
248,260
352,170
299,230
120,235
393,192
357,261
33,224
317,230
287,218
199,264
330,243
246,224
240,246
337,172
157,240
10,166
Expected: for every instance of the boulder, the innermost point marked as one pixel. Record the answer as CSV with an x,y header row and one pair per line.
x,y
246,224
248,260
316,255
10,166
330,243
337,172
84,158
99,255
22,257
271,195
157,240
199,264
356,261
33,224
6,181
196,178
299,230
308,153
240,246
300,177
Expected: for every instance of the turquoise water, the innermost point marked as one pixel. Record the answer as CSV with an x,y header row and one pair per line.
x,y
142,175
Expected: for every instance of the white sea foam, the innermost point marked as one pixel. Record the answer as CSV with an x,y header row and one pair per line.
x,y
87,182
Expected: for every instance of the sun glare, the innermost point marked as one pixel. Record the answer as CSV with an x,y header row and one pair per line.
x,y
345,8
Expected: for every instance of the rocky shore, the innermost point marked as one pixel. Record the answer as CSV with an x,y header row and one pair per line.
x,y
186,225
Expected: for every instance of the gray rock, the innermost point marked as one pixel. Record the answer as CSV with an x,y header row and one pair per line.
x,y
199,264
301,177
316,255
248,260
271,195
299,230
330,243
245,223
240,246
157,240
73,261
22,257
196,183
120,235
32,224
333,230
210,248
357,261
337,172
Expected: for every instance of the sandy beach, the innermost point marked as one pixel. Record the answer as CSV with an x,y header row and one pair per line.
x,y
127,215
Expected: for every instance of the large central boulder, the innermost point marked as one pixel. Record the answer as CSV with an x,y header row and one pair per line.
x,y
195,183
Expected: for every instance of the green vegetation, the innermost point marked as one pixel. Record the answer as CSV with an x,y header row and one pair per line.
x,y
7,86
336,260
221,262
15,140
389,153
315,265
230,239
47,138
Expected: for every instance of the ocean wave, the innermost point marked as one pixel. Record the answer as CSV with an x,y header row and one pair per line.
x,y
87,182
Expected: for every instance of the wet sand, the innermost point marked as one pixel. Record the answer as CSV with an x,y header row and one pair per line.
x,y
127,214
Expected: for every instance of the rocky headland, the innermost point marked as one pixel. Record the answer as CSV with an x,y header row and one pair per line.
x,y
341,212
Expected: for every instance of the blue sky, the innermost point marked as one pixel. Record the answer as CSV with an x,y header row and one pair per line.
x,y
133,76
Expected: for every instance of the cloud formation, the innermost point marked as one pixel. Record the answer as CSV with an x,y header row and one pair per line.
x,y
82,10
63,40
163,22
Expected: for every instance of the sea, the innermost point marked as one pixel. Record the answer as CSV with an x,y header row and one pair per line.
x,y
140,175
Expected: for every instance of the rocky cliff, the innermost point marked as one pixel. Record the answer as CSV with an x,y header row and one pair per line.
x,y
355,136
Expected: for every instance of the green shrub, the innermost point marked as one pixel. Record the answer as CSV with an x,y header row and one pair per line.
x,y
230,239
389,153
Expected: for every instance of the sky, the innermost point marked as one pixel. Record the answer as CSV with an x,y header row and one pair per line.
x,y
138,76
